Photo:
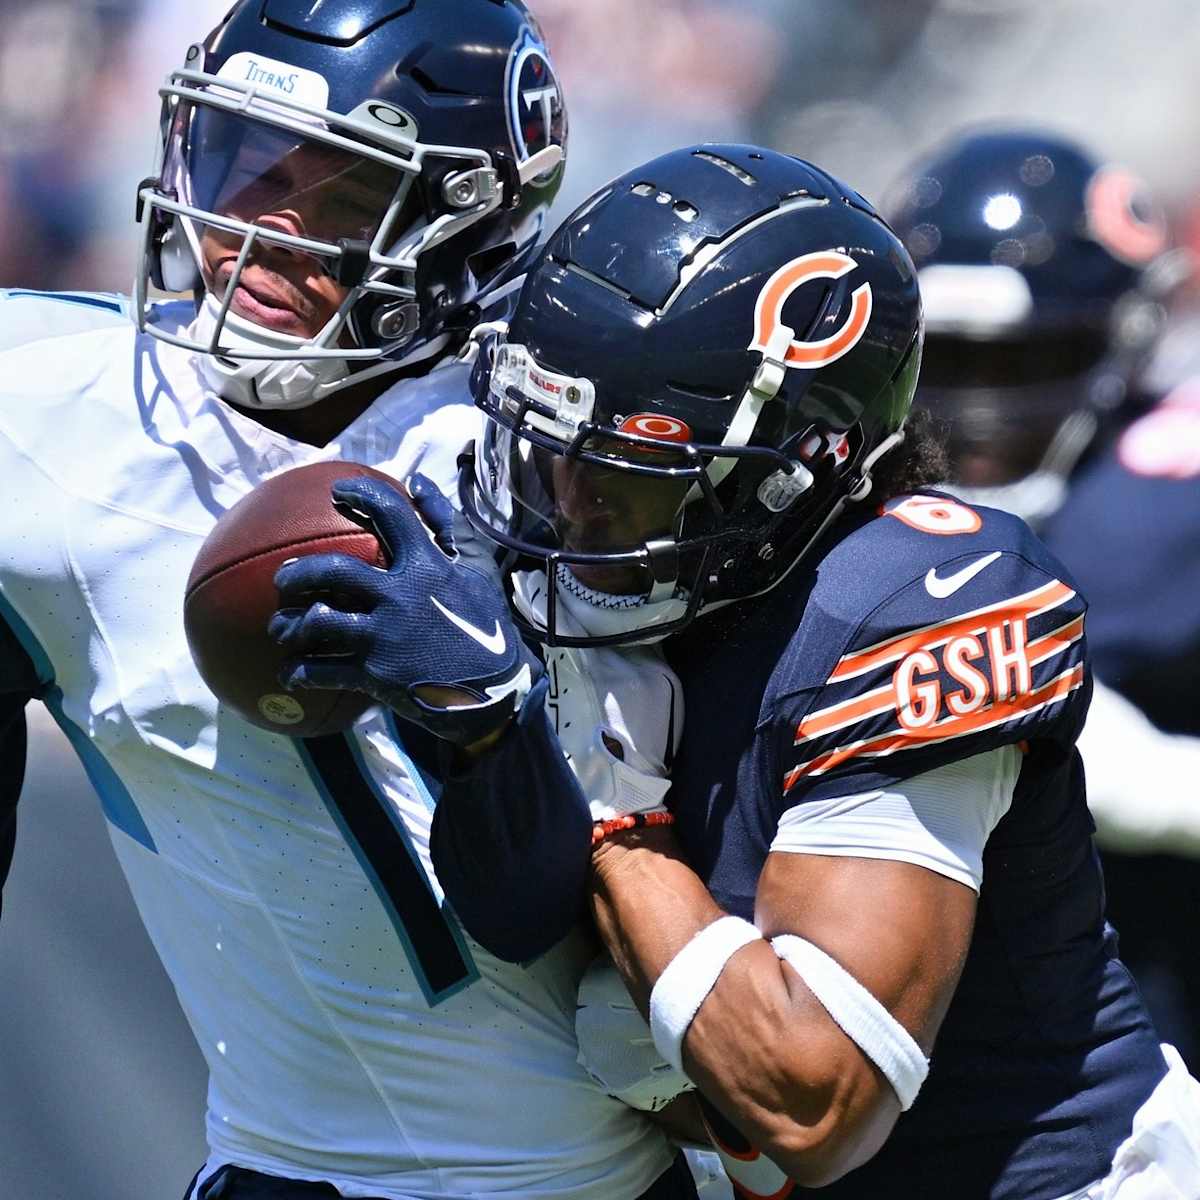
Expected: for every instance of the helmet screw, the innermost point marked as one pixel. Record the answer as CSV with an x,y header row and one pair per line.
x,y
397,322
573,395
464,193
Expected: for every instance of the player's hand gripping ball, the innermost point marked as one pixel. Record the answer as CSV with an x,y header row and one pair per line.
x,y
431,637
231,596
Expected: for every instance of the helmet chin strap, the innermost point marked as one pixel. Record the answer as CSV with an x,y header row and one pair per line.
x,y
586,612
290,384
262,383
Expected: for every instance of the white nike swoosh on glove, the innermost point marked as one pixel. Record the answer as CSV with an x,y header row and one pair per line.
x,y
493,642
940,588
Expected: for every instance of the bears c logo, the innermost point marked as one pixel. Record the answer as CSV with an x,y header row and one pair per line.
x,y
1123,217
768,311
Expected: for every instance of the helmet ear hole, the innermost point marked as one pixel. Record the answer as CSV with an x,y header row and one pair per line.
x,y
486,264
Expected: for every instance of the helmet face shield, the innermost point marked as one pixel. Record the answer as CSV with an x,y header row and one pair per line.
x,y
239,166
601,523
252,178
268,212
1005,400
626,511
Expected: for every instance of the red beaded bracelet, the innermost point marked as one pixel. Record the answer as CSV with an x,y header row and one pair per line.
x,y
603,829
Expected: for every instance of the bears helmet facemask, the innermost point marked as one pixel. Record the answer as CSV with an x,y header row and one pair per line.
x,y
705,363
414,163
1040,273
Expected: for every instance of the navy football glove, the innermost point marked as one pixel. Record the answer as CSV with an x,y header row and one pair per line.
x,y
430,637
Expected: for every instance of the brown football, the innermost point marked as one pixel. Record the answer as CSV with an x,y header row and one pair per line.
x,y
231,596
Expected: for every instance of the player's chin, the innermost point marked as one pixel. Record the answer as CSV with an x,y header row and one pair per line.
x,y
612,580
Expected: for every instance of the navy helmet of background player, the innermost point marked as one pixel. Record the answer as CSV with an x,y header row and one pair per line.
x,y
340,183
1035,263
656,468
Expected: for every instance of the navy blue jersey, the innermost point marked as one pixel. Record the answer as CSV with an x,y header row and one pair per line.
x,y
1130,529
921,635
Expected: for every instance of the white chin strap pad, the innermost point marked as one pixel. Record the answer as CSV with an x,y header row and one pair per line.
x,y
262,383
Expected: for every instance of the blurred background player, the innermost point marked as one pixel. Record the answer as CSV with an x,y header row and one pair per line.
x,y
1046,277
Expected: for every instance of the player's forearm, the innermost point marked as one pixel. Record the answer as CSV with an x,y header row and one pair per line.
x,y
511,840
648,905
760,1048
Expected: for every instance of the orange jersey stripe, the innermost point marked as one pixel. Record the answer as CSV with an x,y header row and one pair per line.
x,y
943,731
828,720
846,713
1055,643
1020,607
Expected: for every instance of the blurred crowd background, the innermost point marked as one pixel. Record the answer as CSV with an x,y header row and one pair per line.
x,y
101,1091
860,86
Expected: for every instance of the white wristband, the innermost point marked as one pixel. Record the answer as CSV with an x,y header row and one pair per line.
x,y
861,1017
688,979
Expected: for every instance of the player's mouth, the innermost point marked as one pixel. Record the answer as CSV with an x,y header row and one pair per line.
x,y
274,305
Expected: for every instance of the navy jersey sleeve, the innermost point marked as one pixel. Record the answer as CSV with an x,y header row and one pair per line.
x,y
18,684
511,839
1130,532
935,632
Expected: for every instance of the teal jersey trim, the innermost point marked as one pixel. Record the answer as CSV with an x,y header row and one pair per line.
x,y
108,301
429,932
118,805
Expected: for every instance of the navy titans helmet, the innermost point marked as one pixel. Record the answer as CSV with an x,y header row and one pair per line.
x,y
705,363
1041,306
416,146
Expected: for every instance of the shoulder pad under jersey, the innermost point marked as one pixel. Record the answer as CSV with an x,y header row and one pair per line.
x,y
29,316
934,632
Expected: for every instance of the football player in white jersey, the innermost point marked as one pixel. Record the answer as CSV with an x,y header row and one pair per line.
x,y
346,189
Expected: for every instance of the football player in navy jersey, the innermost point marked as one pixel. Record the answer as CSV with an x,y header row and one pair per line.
x,y
1044,273
874,936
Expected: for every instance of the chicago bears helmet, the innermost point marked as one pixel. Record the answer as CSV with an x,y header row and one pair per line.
x,y
706,361
1034,261
414,148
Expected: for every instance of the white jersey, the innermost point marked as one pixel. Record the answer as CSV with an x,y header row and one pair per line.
x,y
27,317
353,1032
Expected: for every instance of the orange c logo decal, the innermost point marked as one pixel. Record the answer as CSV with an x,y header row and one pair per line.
x,y
768,311
1114,220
